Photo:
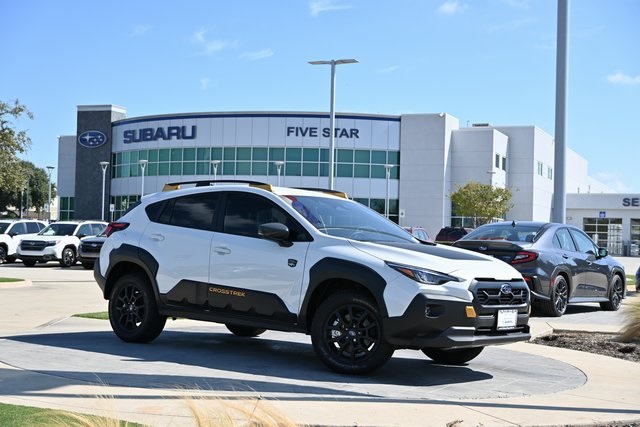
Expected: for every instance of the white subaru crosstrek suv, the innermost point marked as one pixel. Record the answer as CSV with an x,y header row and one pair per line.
x,y
58,242
256,257
12,231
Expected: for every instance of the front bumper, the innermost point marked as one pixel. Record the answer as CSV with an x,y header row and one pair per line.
x,y
439,323
48,254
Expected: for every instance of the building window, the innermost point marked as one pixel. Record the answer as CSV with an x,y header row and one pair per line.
x,y
549,172
540,168
504,164
605,232
66,208
497,163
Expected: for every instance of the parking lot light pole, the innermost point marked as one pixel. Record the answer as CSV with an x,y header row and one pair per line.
x,y
387,169
279,164
104,166
332,115
143,165
215,164
49,168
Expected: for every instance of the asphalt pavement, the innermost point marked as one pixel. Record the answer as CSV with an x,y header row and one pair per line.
x,y
50,359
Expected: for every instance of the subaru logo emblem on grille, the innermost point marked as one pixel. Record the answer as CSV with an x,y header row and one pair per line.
x,y
482,248
506,289
94,245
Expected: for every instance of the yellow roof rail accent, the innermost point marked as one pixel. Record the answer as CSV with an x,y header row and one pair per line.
x,y
327,191
210,182
170,187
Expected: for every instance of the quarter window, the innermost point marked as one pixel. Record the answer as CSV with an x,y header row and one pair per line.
x,y
562,240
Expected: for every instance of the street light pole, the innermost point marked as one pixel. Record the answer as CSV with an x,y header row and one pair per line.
x,y
279,164
104,166
143,164
215,164
50,168
332,116
387,169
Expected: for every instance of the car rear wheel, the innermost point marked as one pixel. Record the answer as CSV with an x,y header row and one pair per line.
x,y
458,356
133,311
557,304
347,335
68,257
244,331
615,295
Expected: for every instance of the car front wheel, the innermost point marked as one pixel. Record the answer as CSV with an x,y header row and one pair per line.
x,y
133,311
68,257
615,295
3,254
457,356
347,335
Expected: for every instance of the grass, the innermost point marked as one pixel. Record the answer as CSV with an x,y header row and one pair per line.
x,y
101,315
9,280
27,416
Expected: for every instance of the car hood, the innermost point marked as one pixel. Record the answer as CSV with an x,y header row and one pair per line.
x,y
442,258
38,238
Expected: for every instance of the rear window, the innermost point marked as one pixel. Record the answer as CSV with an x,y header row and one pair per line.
x,y
519,233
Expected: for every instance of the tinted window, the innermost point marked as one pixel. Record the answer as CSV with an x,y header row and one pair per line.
x,y
583,242
84,230
34,227
502,231
19,228
193,211
562,240
57,229
246,212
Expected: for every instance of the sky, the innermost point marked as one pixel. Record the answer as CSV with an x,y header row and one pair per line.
x,y
481,61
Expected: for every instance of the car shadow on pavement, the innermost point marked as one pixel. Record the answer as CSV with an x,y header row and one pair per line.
x,y
213,361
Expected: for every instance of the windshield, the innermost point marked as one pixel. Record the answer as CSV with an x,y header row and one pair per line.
x,y
58,230
519,233
349,219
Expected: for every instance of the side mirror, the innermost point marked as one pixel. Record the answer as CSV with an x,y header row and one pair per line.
x,y
275,231
602,252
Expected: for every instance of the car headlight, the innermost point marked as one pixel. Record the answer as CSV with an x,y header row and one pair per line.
x,y
423,275
52,243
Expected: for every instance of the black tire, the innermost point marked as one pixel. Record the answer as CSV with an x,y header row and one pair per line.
x,y
559,298
133,311
68,257
87,264
347,334
10,259
3,254
615,295
457,356
244,331
29,262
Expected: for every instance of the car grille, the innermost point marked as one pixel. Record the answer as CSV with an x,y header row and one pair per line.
x,y
91,248
493,296
32,245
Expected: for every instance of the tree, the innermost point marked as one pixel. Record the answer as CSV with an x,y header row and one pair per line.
x,y
482,202
36,180
12,142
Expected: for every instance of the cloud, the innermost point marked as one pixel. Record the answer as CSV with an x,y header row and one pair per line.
x,y
204,83
254,56
319,6
451,7
140,30
209,47
621,78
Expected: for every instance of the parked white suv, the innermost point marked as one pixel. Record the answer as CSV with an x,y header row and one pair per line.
x,y
57,242
256,257
11,231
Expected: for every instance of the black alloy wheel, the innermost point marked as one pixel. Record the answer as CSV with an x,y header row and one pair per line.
x,y
456,356
615,295
133,311
3,254
557,305
347,335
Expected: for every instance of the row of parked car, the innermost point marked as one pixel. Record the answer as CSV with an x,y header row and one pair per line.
x,y
68,242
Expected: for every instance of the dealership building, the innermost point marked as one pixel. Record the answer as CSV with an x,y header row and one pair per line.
x,y
409,164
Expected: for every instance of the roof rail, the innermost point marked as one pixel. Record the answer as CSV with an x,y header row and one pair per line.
x,y
210,182
326,190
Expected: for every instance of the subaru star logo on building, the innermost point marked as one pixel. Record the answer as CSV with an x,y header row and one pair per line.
x,y
92,139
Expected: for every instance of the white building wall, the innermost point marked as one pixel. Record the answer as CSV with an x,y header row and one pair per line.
x,y
66,182
473,157
425,170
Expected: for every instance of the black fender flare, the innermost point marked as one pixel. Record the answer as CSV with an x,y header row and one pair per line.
x,y
131,255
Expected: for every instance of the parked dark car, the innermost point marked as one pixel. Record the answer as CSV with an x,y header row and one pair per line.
x,y
419,233
559,262
89,249
448,235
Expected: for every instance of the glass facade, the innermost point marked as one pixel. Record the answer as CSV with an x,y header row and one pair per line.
x,y
65,211
606,233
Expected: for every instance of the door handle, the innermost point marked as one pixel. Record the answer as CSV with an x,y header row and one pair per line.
x,y
222,250
565,256
157,237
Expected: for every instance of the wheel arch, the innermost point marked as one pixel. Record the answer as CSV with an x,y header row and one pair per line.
x,y
129,259
332,275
